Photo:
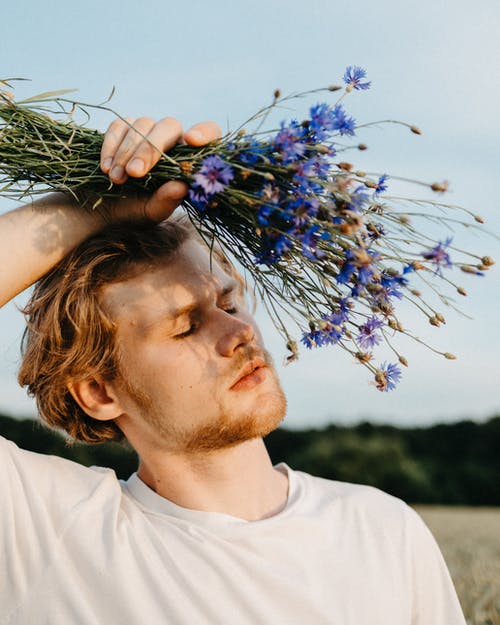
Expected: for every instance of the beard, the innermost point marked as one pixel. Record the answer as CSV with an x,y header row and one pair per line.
x,y
227,429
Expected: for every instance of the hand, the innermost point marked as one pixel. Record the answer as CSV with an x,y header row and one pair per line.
x,y
125,152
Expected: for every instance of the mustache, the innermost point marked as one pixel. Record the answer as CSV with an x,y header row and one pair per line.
x,y
247,354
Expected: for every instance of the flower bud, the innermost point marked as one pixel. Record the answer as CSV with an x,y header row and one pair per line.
x,y
277,94
362,146
440,318
461,290
479,219
416,130
434,321
403,361
488,261
449,356
334,88
416,292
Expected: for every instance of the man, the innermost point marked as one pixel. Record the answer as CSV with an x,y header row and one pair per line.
x,y
134,330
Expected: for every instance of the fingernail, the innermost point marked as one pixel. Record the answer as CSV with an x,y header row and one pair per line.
x,y
136,166
117,172
106,164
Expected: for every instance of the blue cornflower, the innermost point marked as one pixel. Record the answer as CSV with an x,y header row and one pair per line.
x,y
214,175
322,122
358,198
353,76
391,284
381,186
334,331
273,247
288,142
387,377
199,198
439,256
252,152
368,337
345,125
311,339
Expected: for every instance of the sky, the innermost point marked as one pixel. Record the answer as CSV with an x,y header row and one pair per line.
x,y
433,63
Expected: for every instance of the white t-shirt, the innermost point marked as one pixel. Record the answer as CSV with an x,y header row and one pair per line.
x,y
80,547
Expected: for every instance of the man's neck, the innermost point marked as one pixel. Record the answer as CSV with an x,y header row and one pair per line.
x,y
239,481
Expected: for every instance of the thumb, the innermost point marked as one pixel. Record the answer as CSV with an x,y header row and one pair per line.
x,y
165,200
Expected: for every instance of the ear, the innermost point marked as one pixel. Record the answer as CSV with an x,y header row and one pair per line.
x,y
96,397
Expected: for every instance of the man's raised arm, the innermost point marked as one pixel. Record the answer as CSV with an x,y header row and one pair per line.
x,y
35,237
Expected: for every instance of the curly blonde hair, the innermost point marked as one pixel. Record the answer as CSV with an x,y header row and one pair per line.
x,y
69,336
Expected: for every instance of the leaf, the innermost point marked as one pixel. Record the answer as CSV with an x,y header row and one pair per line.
x,y
47,95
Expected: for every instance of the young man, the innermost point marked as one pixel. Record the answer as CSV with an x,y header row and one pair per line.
x,y
133,330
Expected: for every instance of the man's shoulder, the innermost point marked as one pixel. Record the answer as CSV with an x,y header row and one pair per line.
x,y
358,500
37,470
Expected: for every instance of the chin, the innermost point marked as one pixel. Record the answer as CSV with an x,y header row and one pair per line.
x,y
238,425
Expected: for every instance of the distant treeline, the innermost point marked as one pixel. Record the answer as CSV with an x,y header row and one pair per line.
x,y
457,463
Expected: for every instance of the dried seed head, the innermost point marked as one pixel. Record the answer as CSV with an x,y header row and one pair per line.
x,y
186,167
322,149
461,290
362,146
363,356
449,356
416,130
440,187
345,166
292,347
403,361
467,269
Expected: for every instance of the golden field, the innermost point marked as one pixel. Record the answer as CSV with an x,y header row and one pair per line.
x,y
469,539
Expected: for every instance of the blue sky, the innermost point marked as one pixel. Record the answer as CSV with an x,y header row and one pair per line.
x,y
434,63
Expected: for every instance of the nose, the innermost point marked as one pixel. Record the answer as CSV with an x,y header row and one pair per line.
x,y
233,333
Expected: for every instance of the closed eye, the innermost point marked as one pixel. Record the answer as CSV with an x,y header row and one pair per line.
x,y
192,328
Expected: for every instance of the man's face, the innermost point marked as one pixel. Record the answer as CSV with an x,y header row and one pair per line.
x,y
194,372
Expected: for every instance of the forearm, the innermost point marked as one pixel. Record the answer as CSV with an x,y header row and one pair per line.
x,y
36,236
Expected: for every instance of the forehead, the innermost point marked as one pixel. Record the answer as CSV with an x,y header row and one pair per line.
x,y
189,276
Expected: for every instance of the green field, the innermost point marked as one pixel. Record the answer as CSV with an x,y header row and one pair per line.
x,y
470,541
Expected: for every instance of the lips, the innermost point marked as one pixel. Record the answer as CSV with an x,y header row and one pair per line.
x,y
251,374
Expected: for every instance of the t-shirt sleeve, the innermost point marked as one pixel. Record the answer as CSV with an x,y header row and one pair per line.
x,y
434,597
40,496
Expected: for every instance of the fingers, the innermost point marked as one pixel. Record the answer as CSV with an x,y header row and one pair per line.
x,y
132,147
202,133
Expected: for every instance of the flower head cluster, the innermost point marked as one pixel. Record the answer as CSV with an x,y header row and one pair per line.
x,y
212,177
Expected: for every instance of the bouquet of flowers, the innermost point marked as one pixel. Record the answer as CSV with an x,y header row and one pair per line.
x,y
328,249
